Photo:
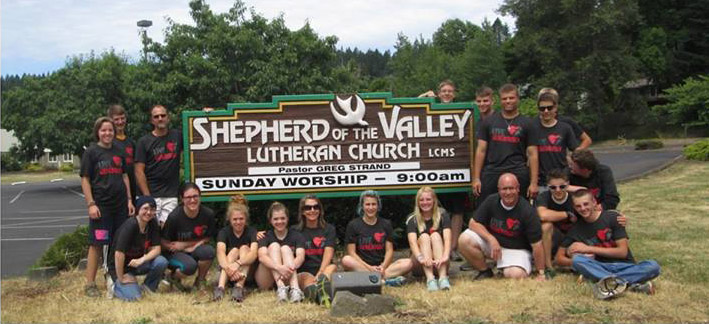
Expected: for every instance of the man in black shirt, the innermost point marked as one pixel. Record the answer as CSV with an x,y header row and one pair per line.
x,y
582,137
587,173
157,163
505,228
554,139
597,247
124,143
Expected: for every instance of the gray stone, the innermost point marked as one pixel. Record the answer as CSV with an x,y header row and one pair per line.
x,y
43,273
349,304
82,264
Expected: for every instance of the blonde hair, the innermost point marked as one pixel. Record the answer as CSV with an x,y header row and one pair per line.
x,y
237,203
420,222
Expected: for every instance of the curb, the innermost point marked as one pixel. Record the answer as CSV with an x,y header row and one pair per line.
x,y
651,171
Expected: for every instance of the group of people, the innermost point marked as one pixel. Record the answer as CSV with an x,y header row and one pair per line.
x,y
570,222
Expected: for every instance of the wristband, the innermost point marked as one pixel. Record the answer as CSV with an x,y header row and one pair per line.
x,y
91,203
419,257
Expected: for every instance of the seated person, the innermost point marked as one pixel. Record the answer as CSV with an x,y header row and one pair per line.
x,y
556,213
428,231
280,253
185,239
505,228
237,250
369,243
597,248
320,237
136,251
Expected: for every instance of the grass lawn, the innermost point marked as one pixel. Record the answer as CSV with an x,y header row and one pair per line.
x,y
41,176
668,221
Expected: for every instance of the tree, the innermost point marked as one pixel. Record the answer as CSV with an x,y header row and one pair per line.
x,y
688,102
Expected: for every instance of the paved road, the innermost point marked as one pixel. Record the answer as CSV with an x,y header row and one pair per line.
x,y
33,215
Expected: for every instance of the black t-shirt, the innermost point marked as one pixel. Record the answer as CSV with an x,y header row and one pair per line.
x,y
161,156
602,186
507,142
226,235
370,240
578,130
553,143
412,224
517,228
293,239
545,199
316,240
105,168
127,148
179,227
132,242
603,232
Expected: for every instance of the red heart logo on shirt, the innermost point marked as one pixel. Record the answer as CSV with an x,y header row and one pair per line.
x,y
511,222
553,138
117,160
146,245
379,236
603,234
199,230
170,146
129,150
512,129
318,240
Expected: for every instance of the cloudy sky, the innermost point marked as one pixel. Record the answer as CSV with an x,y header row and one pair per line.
x,y
38,35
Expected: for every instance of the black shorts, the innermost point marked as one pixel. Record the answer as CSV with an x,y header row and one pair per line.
x,y
456,203
101,230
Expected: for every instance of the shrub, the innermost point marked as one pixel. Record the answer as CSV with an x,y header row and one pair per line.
x,y
8,162
66,167
67,250
698,151
648,145
33,167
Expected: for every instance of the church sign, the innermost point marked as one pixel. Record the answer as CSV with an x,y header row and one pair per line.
x,y
332,145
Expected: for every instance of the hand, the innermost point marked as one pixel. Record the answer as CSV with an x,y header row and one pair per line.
x,y
578,248
477,187
495,249
260,234
532,191
572,188
127,278
94,212
207,109
379,269
622,219
284,271
136,262
443,260
189,248
131,208
428,93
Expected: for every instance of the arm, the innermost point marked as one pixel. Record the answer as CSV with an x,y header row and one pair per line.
x,y
428,93
152,254
620,251
326,259
446,246
585,141
352,252
611,198
479,161
538,254
549,215
221,255
120,261
533,158
252,256
94,212
561,258
414,247
140,178
388,255
299,258
495,250
131,208
264,258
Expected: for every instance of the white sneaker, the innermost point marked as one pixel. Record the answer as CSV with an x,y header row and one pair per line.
x,y
282,294
296,295
110,286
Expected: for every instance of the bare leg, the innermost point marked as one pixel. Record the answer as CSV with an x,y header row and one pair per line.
x,y
288,260
471,252
424,242
547,235
92,263
230,258
514,273
456,227
350,264
437,245
398,268
274,251
244,269
264,277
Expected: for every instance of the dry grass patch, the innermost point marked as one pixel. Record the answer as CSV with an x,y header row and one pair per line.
x,y
668,222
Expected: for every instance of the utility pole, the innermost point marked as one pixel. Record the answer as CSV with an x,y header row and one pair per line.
x,y
143,32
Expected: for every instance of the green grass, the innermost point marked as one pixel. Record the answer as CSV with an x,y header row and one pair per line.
x,y
41,176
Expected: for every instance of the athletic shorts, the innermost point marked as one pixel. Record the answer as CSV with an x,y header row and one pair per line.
x,y
456,203
510,257
101,230
165,206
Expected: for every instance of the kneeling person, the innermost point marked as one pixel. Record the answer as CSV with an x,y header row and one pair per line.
x,y
597,248
505,228
556,211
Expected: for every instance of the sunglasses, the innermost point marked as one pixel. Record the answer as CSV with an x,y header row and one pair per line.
x,y
159,116
561,187
543,108
311,207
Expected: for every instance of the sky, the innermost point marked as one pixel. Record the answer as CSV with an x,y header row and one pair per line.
x,y
37,36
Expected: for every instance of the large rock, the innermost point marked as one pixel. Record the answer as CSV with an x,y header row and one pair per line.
x,y
349,304
43,273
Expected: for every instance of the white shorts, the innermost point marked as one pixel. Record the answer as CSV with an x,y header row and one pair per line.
x,y
164,207
510,257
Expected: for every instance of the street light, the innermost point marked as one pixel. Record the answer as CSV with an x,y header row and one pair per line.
x,y
143,25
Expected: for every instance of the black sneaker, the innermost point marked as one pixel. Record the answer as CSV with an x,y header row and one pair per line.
x,y
466,267
237,294
487,273
218,293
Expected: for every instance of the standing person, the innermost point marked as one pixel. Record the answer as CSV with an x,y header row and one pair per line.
x,y
370,245
506,229
280,253
320,237
157,163
237,249
506,144
554,139
429,235
136,251
485,100
588,173
124,143
582,137
107,192
597,248
185,239
446,92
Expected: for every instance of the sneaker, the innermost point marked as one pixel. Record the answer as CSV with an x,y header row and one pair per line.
x,y
549,273
395,282
91,290
218,293
110,286
176,283
312,293
487,273
608,287
282,294
145,290
455,256
432,285
237,294
646,287
444,284
296,295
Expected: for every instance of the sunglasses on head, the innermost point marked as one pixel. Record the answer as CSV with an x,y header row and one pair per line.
x,y
311,207
543,108
561,187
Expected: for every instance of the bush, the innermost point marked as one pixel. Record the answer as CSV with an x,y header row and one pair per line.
x,y
67,250
698,151
66,167
33,167
8,162
648,145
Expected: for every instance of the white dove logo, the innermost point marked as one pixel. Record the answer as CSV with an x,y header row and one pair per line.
x,y
350,117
